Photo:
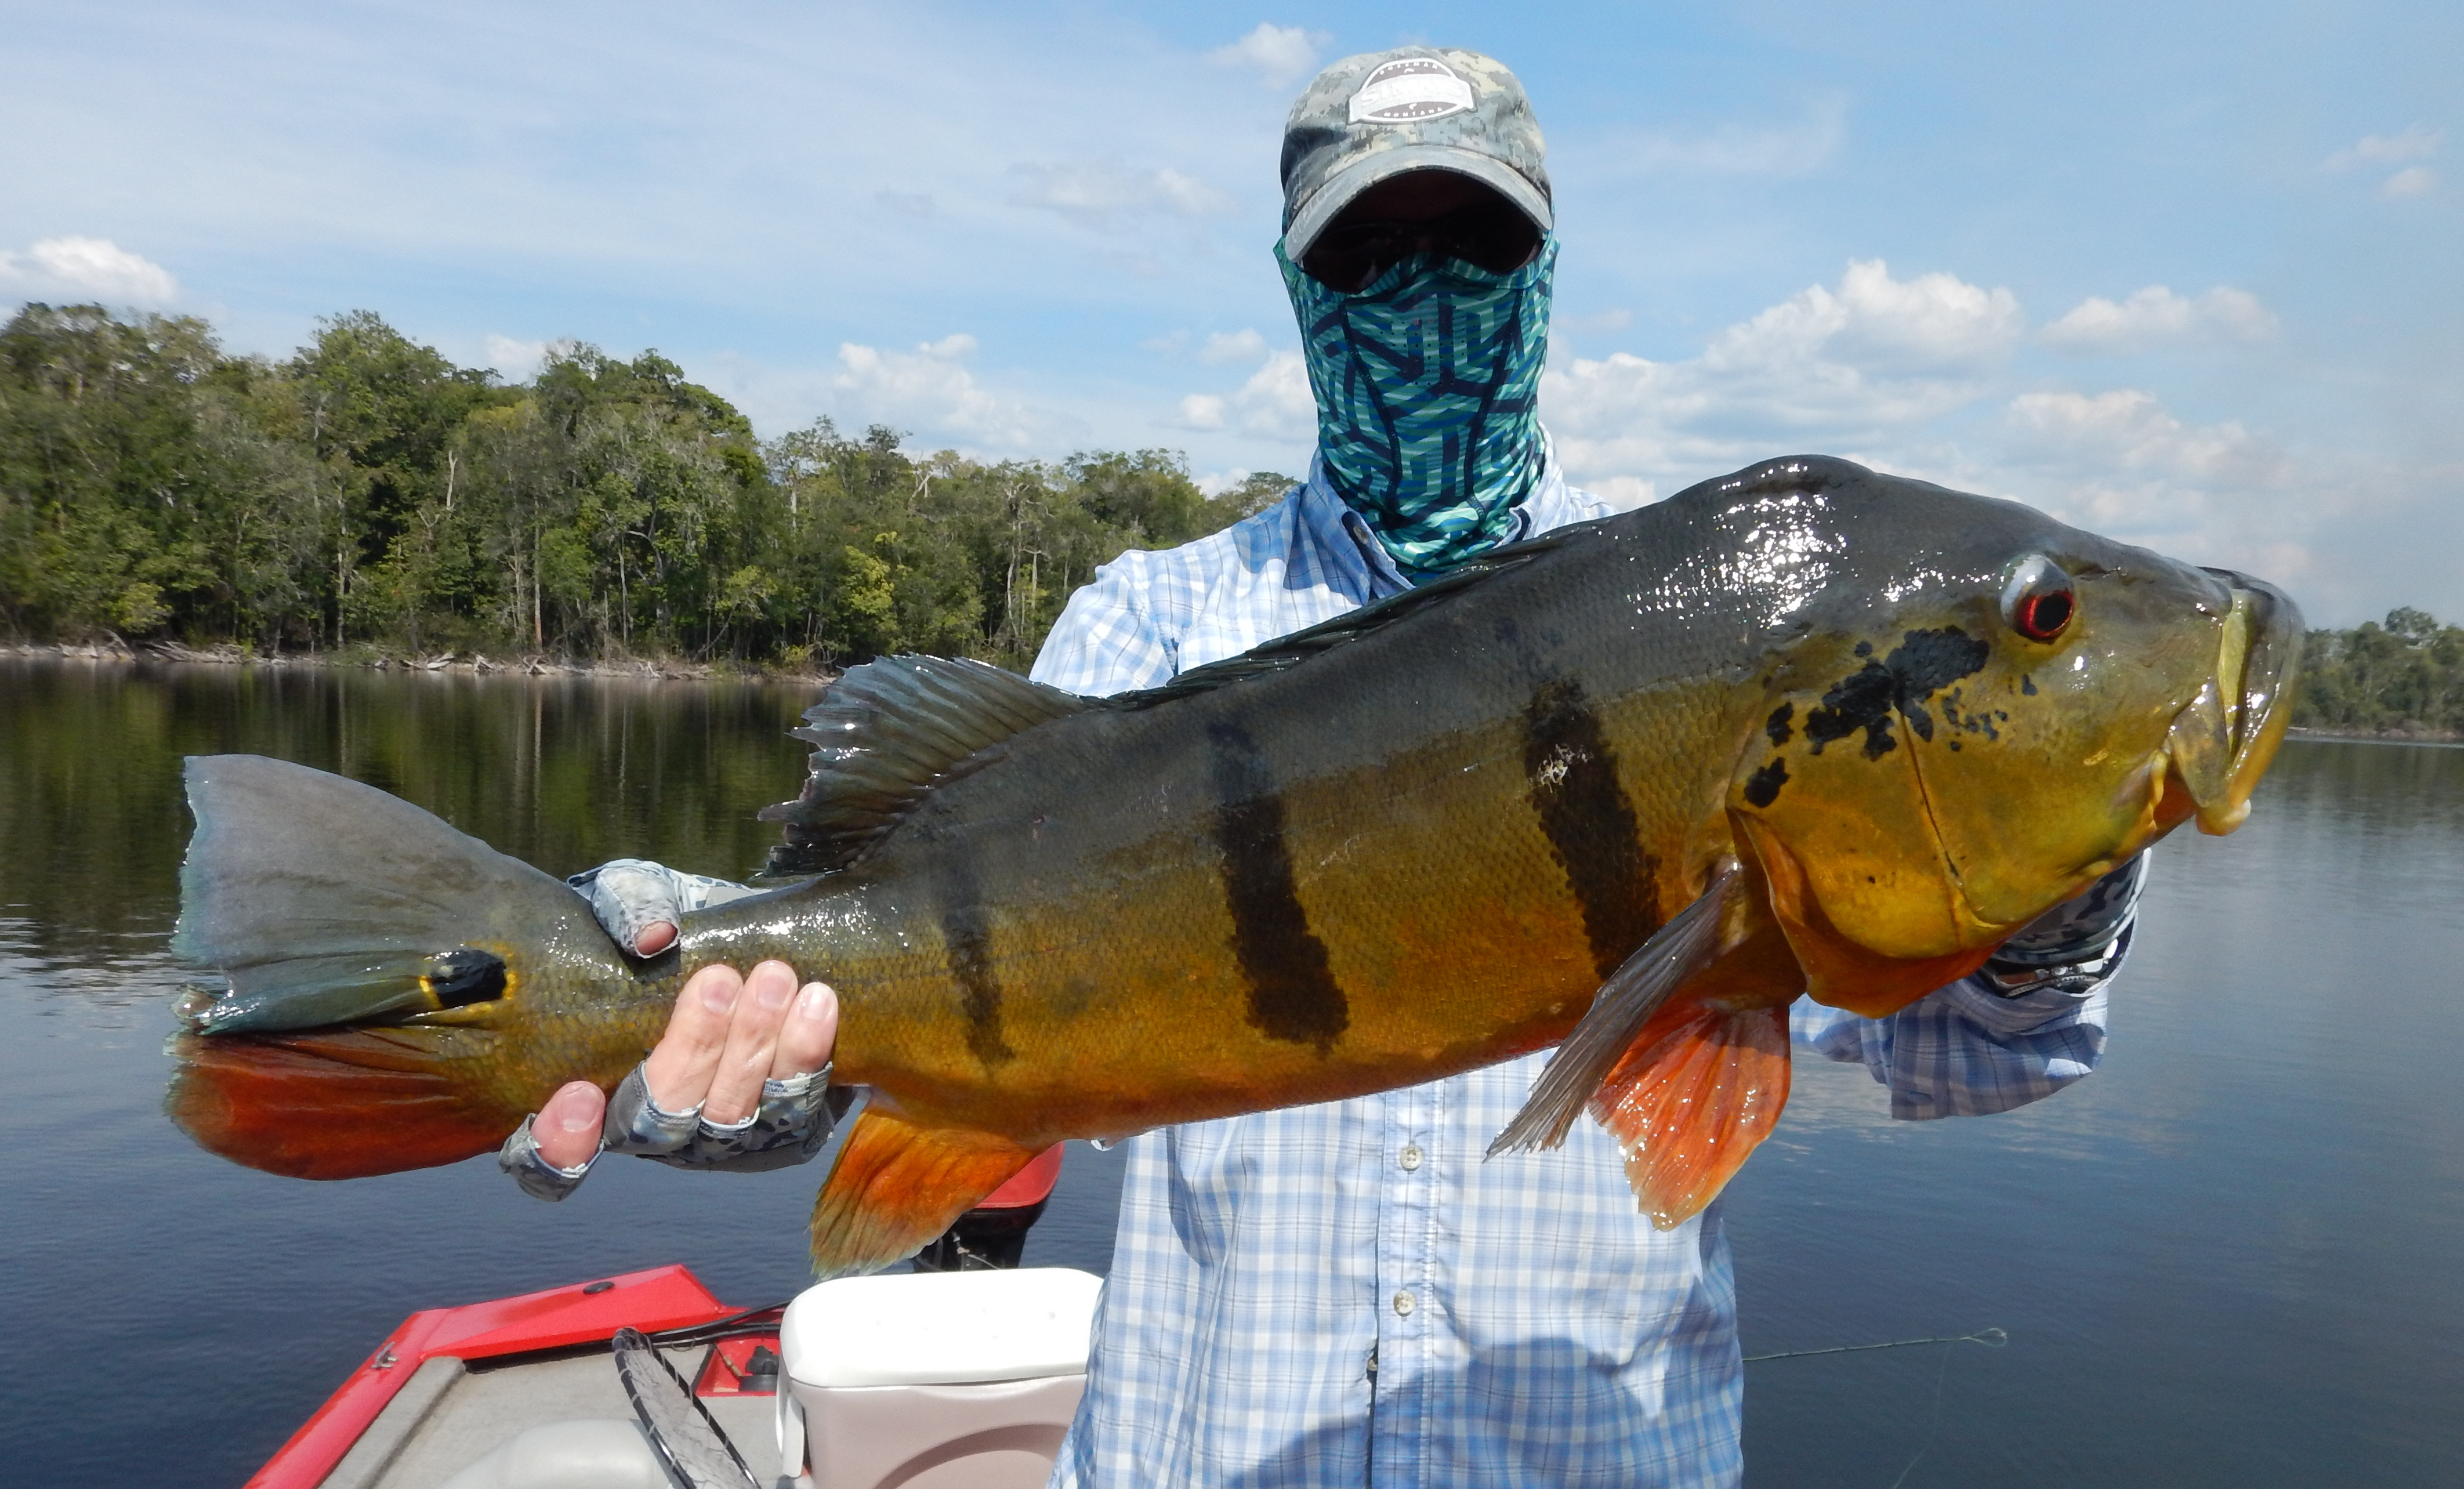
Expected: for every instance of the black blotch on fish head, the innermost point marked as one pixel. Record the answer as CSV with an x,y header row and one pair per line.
x,y
1923,664
1762,787
1861,700
1777,724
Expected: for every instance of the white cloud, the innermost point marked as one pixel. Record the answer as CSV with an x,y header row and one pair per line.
x,y
1826,365
1097,193
1279,55
1624,493
97,268
1215,483
1934,323
2412,180
1241,345
1203,412
2417,143
931,391
515,359
2156,313
1276,401
2133,430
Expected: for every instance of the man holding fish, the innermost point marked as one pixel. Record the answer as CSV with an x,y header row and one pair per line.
x,y
1351,1292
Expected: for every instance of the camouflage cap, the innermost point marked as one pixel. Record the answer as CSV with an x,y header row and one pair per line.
x,y
1378,114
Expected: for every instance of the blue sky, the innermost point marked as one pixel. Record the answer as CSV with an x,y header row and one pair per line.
x,y
2188,273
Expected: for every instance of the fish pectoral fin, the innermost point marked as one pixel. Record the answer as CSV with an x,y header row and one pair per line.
x,y
897,1185
1690,1102
1620,1010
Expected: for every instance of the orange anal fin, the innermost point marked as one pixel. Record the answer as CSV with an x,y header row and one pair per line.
x,y
897,1186
329,1106
1697,1090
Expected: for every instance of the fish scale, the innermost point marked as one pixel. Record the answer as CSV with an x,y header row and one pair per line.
x,y
1643,781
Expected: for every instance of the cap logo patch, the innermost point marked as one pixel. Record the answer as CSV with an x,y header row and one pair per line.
x,y
1409,89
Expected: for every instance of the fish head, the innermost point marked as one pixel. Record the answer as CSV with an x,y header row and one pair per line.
x,y
1980,711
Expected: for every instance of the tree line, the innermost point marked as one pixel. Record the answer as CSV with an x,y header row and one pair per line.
x,y
366,491
2403,677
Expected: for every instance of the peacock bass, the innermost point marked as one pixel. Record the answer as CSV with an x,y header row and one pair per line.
x,y
1631,788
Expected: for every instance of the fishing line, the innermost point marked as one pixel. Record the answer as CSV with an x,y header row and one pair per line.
x,y
1989,1338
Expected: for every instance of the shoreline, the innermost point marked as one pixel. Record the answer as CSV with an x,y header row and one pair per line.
x,y
377,659
652,669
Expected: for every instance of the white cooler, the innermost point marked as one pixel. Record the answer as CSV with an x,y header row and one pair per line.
x,y
933,1380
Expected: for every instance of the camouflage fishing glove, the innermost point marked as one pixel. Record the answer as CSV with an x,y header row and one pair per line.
x,y
630,894
790,1126
2061,958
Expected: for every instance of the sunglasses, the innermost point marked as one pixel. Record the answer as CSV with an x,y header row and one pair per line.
x,y
1492,235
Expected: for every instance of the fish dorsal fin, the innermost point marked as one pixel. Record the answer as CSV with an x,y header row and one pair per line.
x,y
889,731
1287,651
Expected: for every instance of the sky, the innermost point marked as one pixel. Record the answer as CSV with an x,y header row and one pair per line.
x,y
2191,274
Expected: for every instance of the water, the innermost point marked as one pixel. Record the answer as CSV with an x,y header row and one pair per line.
x,y
2229,1258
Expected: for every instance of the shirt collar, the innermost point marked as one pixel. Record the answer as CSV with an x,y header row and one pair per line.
x,y
1355,554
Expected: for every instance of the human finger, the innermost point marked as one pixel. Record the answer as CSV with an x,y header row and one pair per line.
x,y
678,1072
805,1040
751,1040
655,938
567,1128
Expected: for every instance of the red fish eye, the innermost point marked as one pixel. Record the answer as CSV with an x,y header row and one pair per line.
x,y
2038,602
2042,617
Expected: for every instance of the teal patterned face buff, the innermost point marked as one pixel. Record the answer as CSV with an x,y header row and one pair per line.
x,y
1428,381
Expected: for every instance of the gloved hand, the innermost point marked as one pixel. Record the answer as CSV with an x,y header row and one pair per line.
x,y
740,1079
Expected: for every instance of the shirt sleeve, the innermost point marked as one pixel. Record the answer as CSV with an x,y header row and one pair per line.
x,y
1963,1051
1107,640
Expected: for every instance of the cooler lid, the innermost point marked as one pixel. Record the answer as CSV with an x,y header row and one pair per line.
x,y
940,1329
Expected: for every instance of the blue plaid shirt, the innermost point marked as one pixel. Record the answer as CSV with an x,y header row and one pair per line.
x,y
1345,1294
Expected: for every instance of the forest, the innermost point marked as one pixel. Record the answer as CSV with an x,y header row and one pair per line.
x,y
367,493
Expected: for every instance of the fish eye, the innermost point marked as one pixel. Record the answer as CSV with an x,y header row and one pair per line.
x,y
2038,602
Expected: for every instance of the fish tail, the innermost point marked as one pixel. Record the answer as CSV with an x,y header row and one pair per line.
x,y
1697,1090
327,903
897,1185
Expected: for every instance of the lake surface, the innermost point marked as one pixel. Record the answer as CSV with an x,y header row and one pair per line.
x,y
2234,1256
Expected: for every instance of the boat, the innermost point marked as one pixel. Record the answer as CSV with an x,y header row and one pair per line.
x,y
962,1373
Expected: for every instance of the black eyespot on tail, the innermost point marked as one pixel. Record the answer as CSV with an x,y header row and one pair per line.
x,y
463,977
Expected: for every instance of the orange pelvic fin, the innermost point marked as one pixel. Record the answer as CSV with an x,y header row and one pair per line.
x,y
338,1104
1697,1090
897,1185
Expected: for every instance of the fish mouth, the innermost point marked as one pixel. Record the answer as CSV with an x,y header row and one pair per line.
x,y
2222,742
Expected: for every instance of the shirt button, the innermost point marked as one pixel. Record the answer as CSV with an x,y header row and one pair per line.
x,y
1404,1303
1411,1158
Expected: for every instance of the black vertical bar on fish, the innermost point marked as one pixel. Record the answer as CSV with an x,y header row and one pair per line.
x,y
1293,991
966,935
1592,827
